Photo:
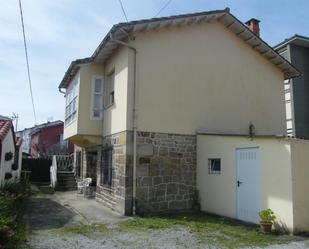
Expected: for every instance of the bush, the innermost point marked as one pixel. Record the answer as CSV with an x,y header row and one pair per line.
x,y
11,210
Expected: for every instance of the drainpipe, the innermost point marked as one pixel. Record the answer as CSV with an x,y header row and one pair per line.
x,y
134,123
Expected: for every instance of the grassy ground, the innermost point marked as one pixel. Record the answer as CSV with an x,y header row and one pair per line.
x,y
210,230
13,232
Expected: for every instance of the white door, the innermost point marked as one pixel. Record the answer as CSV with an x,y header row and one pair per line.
x,y
248,184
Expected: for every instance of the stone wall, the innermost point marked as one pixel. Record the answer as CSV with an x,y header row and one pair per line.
x,y
166,172
118,196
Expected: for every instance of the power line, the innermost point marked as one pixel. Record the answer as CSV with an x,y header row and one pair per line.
x,y
164,6
27,60
123,11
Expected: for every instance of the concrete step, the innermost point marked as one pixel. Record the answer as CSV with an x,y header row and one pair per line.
x,y
66,181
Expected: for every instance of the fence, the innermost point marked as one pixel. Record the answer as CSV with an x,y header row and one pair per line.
x,y
40,169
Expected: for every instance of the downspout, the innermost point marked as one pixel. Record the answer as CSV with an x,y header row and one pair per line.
x,y
134,123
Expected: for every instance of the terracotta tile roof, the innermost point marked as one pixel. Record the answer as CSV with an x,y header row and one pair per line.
x,y
5,126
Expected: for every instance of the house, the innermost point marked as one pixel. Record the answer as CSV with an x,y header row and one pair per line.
x,y
10,156
47,140
296,50
135,109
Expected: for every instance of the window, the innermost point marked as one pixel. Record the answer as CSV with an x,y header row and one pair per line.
x,y
111,86
214,166
71,102
107,166
97,97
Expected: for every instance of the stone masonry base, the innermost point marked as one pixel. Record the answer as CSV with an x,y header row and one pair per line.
x,y
166,172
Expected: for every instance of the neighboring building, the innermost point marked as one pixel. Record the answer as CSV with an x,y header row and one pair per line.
x,y
47,140
10,158
296,50
24,134
135,106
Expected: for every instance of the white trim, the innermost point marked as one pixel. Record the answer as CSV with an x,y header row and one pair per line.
x,y
93,78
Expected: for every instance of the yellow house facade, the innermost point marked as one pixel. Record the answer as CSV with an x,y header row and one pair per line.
x,y
152,84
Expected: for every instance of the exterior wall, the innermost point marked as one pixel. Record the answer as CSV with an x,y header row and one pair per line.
x,y
24,134
300,175
118,196
300,58
115,116
205,77
46,138
7,146
218,191
166,172
86,126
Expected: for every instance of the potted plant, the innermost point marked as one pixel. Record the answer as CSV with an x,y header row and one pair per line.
x,y
267,218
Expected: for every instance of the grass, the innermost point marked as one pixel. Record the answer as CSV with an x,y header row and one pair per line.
x,y
85,230
13,232
208,229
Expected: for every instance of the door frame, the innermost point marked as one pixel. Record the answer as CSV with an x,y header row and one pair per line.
x,y
236,175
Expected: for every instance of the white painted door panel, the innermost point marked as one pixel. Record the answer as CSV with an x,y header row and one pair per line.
x,y
248,184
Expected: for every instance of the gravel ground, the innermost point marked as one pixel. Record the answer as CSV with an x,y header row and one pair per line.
x,y
48,215
166,239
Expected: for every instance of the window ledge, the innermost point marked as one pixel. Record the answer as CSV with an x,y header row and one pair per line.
x,y
109,106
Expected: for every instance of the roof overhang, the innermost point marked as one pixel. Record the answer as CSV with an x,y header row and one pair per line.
x,y
297,40
123,31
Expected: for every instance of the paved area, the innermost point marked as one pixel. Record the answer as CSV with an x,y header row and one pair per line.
x,y
63,209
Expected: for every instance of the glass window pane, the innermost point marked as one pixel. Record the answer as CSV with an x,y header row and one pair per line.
x,y
97,101
98,86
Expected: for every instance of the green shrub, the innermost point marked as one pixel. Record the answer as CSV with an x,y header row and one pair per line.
x,y
267,215
12,229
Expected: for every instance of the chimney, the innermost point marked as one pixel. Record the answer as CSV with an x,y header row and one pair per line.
x,y
253,25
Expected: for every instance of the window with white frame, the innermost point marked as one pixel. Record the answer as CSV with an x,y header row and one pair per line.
x,y
71,102
97,97
111,86
214,166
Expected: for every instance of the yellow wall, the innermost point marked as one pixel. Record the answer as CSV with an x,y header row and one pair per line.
x,y
203,76
115,116
85,131
218,192
300,178
86,126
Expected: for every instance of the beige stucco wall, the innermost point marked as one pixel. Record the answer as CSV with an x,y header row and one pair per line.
x,y
203,76
84,130
300,176
218,192
115,116
7,146
87,126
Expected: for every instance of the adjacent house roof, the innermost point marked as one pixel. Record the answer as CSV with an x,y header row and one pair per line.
x,y
5,126
40,127
122,31
296,40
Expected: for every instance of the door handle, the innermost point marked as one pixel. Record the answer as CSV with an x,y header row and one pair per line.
x,y
238,183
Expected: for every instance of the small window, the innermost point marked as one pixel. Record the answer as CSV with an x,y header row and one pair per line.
x,y
107,166
111,87
97,97
214,166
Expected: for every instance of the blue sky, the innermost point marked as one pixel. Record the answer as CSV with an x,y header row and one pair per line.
x,y
59,31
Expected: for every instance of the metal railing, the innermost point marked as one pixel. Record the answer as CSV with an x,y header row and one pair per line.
x,y
61,163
